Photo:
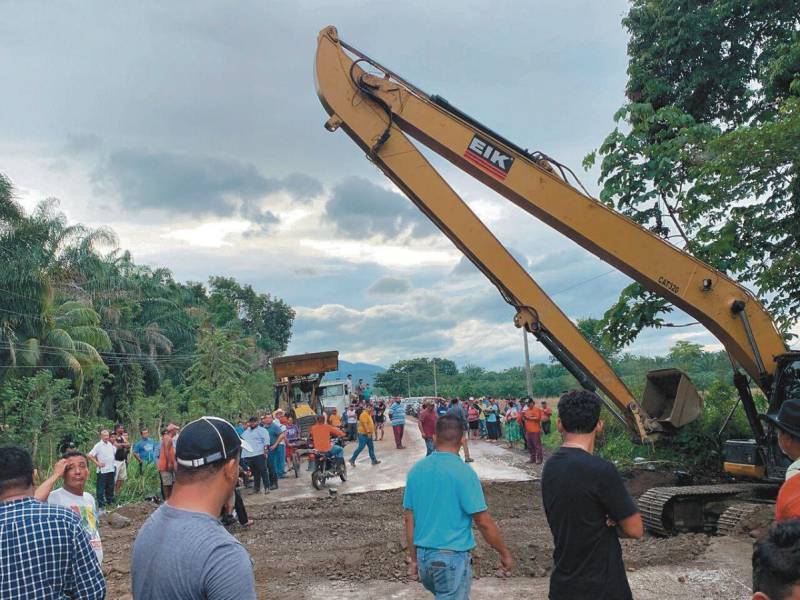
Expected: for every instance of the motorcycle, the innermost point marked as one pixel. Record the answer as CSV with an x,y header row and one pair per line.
x,y
327,466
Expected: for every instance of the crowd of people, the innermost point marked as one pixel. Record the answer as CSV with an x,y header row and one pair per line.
x,y
51,545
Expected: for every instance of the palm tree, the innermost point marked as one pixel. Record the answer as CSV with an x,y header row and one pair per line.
x,y
40,254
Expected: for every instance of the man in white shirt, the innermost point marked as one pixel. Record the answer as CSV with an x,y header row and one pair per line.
x,y
102,455
74,468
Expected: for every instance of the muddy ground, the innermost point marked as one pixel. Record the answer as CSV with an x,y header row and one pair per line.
x,y
351,539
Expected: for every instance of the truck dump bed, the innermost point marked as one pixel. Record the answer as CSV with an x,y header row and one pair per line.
x,y
301,365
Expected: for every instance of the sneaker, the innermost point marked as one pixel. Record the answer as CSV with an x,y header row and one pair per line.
x,y
466,460
102,512
353,464
376,462
273,487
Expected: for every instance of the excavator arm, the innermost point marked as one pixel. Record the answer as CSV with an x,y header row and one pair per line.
x,y
380,112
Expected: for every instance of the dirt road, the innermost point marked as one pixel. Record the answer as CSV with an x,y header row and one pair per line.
x,y
312,544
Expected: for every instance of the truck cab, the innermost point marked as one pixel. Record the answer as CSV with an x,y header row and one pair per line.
x,y
332,395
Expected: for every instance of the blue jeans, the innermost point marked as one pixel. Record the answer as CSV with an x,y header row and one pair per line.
x,y
280,460
336,451
428,446
445,573
364,440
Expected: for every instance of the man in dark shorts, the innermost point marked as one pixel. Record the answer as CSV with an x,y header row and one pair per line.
x,y
586,502
380,418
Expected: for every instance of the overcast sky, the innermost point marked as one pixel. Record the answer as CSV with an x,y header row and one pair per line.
x,y
194,131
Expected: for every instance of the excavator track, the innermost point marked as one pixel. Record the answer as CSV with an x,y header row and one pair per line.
x,y
735,514
670,510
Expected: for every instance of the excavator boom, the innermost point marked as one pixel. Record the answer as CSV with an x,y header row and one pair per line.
x,y
379,112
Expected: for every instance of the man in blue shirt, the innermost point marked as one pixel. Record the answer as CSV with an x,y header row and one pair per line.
x,y
443,498
276,457
46,552
144,450
397,417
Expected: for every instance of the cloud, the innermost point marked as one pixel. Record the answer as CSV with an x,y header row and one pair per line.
x,y
361,209
196,185
465,268
82,143
401,328
389,286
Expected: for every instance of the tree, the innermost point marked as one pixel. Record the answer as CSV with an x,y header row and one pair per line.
x,y
268,320
593,331
417,374
709,147
216,377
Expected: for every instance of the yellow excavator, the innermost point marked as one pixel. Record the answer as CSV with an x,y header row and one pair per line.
x,y
381,111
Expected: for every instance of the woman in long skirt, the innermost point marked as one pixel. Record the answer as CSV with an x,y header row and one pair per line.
x,y
512,433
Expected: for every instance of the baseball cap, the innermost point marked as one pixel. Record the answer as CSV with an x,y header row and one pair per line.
x,y
787,418
208,440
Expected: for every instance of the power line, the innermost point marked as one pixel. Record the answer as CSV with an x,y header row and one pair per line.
x,y
566,289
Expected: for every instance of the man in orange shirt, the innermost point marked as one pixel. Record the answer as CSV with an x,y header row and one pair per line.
x,y
787,423
321,438
532,419
547,412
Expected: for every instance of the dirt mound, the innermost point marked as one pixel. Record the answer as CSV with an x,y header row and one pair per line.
x,y
359,537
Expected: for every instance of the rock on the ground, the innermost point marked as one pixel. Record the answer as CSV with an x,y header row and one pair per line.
x,y
117,521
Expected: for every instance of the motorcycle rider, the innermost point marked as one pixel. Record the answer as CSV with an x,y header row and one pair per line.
x,y
321,438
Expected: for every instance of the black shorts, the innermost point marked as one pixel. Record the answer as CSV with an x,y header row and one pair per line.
x,y
473,424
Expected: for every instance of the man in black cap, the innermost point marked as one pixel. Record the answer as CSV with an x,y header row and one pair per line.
x,y
787,424
182,551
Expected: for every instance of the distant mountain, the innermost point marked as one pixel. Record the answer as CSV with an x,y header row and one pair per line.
x,y
363,371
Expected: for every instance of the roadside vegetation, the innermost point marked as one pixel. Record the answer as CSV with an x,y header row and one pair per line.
x,y
89,338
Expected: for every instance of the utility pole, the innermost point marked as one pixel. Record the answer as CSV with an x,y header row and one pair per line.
x,y
435,388
527,364
408,380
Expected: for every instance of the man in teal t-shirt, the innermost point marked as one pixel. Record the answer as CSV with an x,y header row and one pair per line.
x,y
442,499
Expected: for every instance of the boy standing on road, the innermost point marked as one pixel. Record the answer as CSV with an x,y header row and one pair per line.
x,y
585,501
102,455
443,498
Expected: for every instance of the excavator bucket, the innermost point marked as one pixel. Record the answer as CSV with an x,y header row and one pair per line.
x,y
671,398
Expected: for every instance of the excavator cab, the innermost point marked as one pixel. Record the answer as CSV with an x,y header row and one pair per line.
x,y
671,399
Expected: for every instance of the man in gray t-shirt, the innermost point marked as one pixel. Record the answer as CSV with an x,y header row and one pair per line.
x,y
182,551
